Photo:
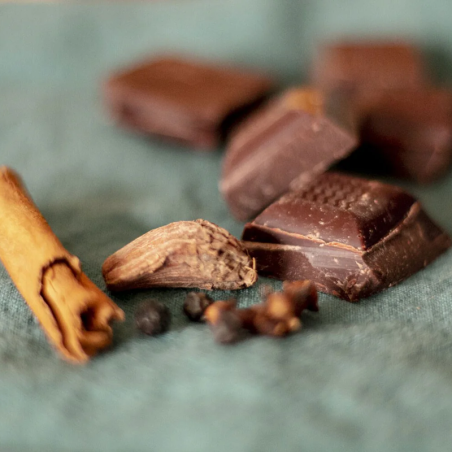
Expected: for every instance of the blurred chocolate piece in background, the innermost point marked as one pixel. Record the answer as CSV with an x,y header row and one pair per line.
x,y
410,130
352,237
283,146
189,101
354,67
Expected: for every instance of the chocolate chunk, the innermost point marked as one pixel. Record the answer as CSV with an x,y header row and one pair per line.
x,y
355,67
350,236
411,130
282,147
188,101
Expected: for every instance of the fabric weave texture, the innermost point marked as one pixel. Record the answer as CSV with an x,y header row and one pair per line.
x,y
371,376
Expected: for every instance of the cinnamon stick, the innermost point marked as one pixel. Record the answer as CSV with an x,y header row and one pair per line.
x,y
73,312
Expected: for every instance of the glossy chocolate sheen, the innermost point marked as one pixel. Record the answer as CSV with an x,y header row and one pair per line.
x,y
185,100
411,129
352,237
355,66
281,147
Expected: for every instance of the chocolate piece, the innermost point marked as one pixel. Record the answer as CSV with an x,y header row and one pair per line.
x,y
187,101
283,147
350,236
354,67
411,130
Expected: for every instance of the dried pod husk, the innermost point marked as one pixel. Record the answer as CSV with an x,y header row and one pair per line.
x,y
190,254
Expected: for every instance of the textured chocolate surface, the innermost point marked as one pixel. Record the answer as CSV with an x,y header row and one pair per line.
x,y
283,147
351,236
185,100
411,129
355,66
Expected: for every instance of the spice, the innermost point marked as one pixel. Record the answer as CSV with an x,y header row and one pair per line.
x,y
152,318
279,314
213,312
182,254
225,321
303,295
228,328
74,314
195,304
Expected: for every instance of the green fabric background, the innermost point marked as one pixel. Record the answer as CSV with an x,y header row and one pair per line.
x,y
372,376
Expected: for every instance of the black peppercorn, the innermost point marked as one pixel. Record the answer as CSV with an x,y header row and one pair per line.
x,y
152,317
195,304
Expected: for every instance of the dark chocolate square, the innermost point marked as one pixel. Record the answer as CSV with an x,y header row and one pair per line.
x,y
411,130
283,146
359,66
351,236
184,100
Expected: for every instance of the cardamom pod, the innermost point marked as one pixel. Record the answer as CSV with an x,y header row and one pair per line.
x,y
192,254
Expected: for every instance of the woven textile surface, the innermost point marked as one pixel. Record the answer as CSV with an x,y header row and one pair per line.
x,y
370,376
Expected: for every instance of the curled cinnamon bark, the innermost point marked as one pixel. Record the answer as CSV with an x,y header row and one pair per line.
x,y
73,312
